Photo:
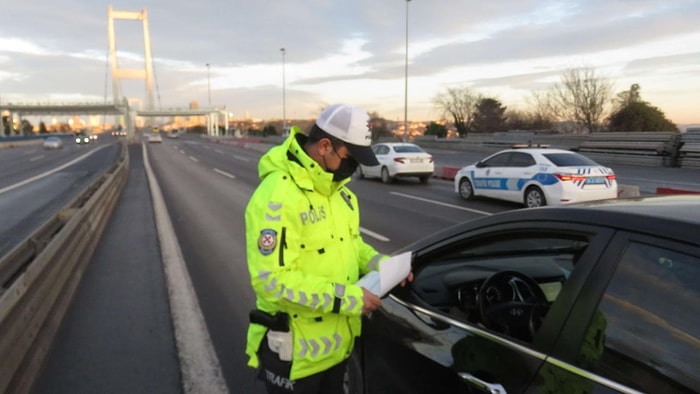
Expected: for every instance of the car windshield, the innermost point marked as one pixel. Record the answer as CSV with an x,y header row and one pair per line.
x,y
569,159
407,149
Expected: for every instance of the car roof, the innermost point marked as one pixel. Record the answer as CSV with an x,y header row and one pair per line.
x,y
675,217
537,150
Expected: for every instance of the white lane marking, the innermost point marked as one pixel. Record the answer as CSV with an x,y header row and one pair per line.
x,y
34,178
241,158
442,203
36,158
199,365
219,151
224,173
194,159
374,235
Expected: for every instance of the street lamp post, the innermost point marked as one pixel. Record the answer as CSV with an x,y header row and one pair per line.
x,y
284,95
405,88
208,85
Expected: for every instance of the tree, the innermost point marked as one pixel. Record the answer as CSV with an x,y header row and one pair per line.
x,y
378,127
518,120
640,116
6,125
489,116
627,97
436,129
42,128
26,127
460,105
269,129
581,98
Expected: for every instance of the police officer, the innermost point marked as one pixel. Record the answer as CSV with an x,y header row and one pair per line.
x,y
305,253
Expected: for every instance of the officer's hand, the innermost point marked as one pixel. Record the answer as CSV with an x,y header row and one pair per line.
x,y
370,301
408,279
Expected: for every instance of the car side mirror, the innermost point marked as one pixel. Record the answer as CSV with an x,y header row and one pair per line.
x,y
479,164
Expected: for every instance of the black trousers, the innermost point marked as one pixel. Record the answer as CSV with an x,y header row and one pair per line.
x,y
275,373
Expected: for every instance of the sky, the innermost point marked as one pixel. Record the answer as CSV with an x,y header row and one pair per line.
x,y
350,51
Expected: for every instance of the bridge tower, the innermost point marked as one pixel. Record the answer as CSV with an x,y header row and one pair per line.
x,y
118,73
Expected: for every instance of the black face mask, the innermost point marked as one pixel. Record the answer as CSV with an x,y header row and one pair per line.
x,y
346,168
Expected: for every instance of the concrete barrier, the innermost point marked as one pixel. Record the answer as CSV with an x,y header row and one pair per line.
x,y
624,191
41,274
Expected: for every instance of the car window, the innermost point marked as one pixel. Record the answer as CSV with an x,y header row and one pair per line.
x,y
500,160
521,159
647,329
380,149
475,282
569,159
407,149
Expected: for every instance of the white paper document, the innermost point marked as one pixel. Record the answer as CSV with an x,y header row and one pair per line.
x,y
391,272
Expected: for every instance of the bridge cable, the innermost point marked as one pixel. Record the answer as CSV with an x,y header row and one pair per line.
x,y
155,79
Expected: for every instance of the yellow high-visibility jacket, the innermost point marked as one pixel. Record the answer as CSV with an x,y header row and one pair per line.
x,y
305,253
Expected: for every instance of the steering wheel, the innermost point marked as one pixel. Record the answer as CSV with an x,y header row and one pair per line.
x,y
521,314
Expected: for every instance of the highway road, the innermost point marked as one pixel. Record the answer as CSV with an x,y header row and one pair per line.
x,y
206,187
35,183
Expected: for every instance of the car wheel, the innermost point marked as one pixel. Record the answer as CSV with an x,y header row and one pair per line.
x,y
534,197
424,179
466,191
352,379
386,178
360,174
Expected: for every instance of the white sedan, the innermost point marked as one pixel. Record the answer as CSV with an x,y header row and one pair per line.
x,y
53,143
399,159
155,138
537,177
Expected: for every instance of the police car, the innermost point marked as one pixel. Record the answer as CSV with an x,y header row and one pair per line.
x,y
537,177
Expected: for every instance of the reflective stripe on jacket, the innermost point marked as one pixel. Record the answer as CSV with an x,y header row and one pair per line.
x,y
305,253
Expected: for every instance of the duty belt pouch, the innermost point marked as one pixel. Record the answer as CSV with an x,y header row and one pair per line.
x,y
281,343
279,336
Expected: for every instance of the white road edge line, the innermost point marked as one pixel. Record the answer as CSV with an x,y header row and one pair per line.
x,y
47,173
442,203
224,173
374,235
200,368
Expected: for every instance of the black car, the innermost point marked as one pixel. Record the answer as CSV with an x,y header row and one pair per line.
x,y
602,297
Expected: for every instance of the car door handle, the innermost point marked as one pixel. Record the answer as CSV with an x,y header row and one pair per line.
x,y
491,388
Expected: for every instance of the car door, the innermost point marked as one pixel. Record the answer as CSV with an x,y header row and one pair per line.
x,y
488,179
380,151
520,168
636,327
431,337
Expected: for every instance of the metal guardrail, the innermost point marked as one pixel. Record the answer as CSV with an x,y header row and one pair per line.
x,y
39,277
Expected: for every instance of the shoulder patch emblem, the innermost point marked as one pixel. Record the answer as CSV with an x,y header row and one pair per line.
x,y
267,241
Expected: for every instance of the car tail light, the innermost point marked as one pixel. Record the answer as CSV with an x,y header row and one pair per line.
x,y
569,177
611,177
399,159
